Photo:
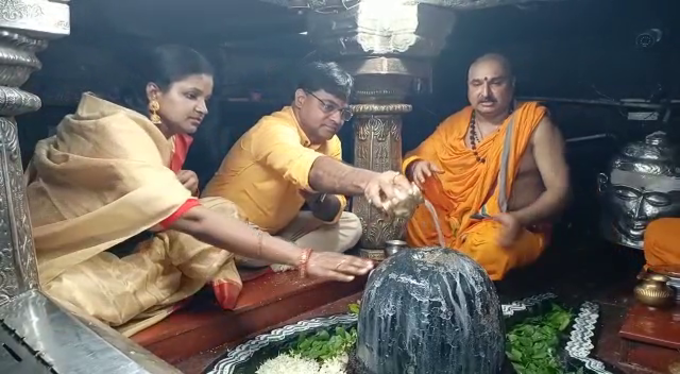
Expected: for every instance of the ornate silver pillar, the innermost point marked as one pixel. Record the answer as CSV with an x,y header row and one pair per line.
x,y
25,26
377,146
388,47
40,335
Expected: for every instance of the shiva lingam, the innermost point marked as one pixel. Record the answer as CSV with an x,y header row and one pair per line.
x,y
430,310
643,184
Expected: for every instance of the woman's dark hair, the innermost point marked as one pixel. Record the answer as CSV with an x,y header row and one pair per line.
x,y
163,66
327,76
171,63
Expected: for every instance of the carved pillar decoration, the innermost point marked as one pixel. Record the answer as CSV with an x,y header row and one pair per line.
x,y
377,146
25,25
388,45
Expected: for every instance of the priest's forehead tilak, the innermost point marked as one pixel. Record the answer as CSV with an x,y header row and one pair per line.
x,y
503,63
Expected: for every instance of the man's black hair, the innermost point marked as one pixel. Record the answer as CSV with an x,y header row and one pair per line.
x,y
327,76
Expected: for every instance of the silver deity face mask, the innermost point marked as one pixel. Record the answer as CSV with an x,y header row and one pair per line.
x,y
643,185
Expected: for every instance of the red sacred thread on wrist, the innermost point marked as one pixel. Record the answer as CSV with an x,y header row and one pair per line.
x,y
304,259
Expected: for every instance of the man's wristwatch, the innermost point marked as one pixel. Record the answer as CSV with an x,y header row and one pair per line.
x,y
319,200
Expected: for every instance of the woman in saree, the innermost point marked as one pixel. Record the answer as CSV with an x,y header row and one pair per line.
x,y
119,234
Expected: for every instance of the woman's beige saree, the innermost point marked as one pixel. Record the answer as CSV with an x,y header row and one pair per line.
x,y
104,178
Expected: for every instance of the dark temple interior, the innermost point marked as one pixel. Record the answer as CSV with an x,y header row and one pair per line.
x,y
586,60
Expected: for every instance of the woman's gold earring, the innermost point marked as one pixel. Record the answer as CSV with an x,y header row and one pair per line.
x,y
154,107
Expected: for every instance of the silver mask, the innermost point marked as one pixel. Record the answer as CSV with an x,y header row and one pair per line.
x,y
643,184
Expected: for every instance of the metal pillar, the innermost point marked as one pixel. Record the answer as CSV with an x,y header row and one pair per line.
x,y
42,335
25,27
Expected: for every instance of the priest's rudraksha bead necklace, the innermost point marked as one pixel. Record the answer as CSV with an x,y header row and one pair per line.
x,y
475,138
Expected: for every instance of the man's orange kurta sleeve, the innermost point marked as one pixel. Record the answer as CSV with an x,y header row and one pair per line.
x,y
279,148
427,150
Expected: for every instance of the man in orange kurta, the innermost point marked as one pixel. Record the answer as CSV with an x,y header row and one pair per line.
x,y
495,174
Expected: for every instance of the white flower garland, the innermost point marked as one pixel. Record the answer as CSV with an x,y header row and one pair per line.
x,y
287,364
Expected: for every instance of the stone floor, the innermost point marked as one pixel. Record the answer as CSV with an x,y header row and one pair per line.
x,y
599,272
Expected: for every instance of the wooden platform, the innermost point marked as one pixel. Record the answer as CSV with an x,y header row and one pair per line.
x,y
651,337
597,272
199,363
264,302
580,276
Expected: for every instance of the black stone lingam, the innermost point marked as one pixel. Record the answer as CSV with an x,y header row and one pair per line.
x,y
429,311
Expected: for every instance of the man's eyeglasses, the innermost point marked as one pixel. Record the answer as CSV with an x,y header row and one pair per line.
x,y
329,108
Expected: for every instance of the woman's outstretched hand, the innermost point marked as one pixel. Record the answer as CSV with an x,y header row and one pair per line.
x,y
336,266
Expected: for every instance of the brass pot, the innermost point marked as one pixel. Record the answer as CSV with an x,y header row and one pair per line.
x,y
404,205
654,291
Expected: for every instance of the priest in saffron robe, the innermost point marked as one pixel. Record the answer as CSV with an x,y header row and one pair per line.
x,y
495,172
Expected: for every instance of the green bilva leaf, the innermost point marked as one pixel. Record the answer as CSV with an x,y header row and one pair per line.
x,y
323,335
354,308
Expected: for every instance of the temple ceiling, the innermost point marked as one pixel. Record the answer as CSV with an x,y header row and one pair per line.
x,y
254,44
198,20
453,4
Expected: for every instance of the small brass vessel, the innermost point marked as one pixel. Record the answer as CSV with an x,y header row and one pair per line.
x,y
392,247
654,291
